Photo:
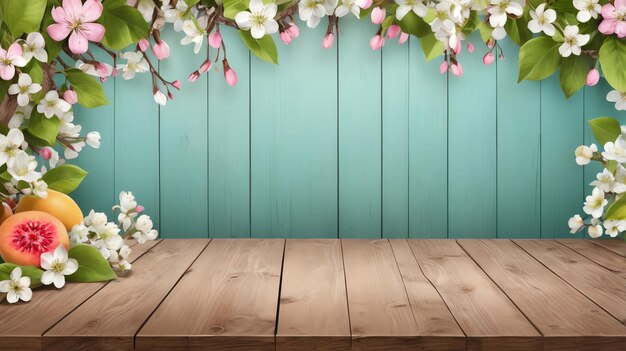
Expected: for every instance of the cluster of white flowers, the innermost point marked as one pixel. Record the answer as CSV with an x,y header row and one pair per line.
x,y
609,187
96,230
20,165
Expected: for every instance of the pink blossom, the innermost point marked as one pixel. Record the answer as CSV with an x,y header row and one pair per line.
x,y
614,19
76,20
139,209
161,50
285,37
470,47
206,65
393,31
215,40
377,42
231,77
443,67
329,38
193,76
488,58
144,44
177,84
378,15
403,38
70,96
45,153
593,77
364,4
9,59
293,31
456,69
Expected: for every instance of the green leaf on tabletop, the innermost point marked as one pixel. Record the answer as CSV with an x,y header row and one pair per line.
x,y
92,267
89,90
44,128
605,129
431,46
574,73
613,62
33,273
539,58
124,24
22,16
64,178
263,48
412,24
233,7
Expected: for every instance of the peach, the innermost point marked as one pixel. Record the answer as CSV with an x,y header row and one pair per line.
x,y
57,204
26,235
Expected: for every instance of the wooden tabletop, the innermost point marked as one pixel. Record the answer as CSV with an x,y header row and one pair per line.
x,y
329,294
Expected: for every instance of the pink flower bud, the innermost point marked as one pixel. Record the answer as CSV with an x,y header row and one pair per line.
x,y
193,76
490,43
443,67
293,31
488,58
206,65
501,55
364,4
144,44
114,72
70,96
593,77
456,69
161,50
377,42
378,15
101,69
329,38
177,84
170,95
231,77
470,47
45,153
103,79
139,209
403,38
458,47
393,31
215,40
285,37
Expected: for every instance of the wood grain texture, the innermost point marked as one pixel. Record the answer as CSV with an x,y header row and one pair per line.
x,y
380,312
227,300
618,246
96,324
485,314
601,286
23,324
436,327
545,299
598,254
313,301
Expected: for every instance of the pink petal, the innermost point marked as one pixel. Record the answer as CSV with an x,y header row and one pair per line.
x,y
620,3
7,72
58,31
15,50
607,27
92,10
78,43
3,53
59,15
620,29
73,9
92,31
607,11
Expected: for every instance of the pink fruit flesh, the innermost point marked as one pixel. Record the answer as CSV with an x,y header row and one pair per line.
x,y
34,237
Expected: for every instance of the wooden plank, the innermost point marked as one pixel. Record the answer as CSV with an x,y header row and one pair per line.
x,y
437,328
600,285
545,299
294,140
235,289
395,134
23,324
360,134
472,149
380,313
182,146
518,168
562,123
96,324
229,143
616,245
428,146
485,314
313,312
598,254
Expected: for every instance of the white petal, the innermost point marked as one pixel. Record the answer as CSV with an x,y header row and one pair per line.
x,y
271,27
534,26
60,253
59,280
47,277
257,32
256,5
26,294
23,99
16,274
24,80
401,11
244,20
613,96
12,296
71,266
4,286
269,11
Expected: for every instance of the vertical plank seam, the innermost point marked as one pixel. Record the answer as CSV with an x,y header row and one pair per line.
x,y
345,282
584,119
208,154
249,145
159,193
498,286
408,140
382,156
280,287
115,80
447,155
337,148
497,233
540,159
168,293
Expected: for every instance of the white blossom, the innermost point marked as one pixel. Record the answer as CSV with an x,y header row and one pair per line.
x,y
348,6
57,265
594,204
587,9
615,151
542,20
23,89
575,223
618,98
33,46
406,6
135,63
17,287
195,33
52,105
259,20
11,144
175,15
606,182
500,9
22,167
312,11
572,41
584,154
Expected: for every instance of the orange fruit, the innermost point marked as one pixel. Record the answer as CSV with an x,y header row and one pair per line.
x,y
57,204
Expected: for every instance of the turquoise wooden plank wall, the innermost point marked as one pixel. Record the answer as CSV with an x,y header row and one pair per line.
x,y
345,142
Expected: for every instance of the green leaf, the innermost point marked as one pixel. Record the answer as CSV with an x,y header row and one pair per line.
x,y
22,16
414,25
33,273
64,178
605,129
124,24
613,62
53,47
518,31
92,267
388,22
263,48
44,128
485,31
539,58
431,46
617,210
471,24
233,7
574,73
89,90
4,87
